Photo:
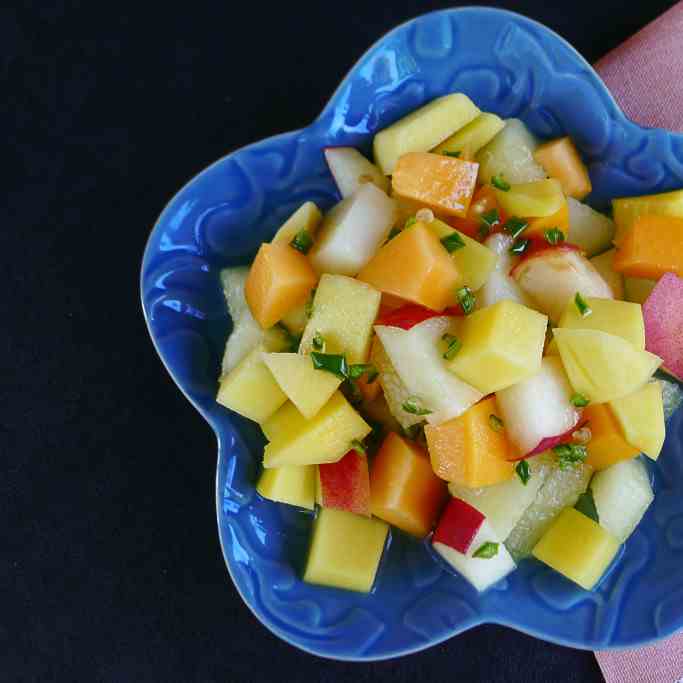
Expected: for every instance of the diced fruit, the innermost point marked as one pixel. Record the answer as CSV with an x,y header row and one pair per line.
x,y
474,261
501,285
279,280
589,230
352,231
345,485
504,504
553,276
637,290
535,198
307,388
307,217
445,184
483,202
607,444
482,569
663,315
621,318
285,420
369,390
246,333
560,219
603,264
641,417
407,316
560,159
471,450
473,136
377,412
345,550
423,129
296,319
602,366
344,311
577,547
537,407
404,490
250,389
501,345
350,169
510,155
293,485
622,494
561,489
417,356
325,438
414,266
627,209
653,246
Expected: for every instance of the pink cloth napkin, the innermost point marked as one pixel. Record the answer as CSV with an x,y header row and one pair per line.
x,y
645,75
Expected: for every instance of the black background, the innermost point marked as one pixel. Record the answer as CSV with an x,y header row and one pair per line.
x,y
110,568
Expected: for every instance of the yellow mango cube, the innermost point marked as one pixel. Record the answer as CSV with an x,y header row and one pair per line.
x,y
307,388
345,550
641,417
325,438
626,209
472,137
535,199
620,318
307,217
294,485
344,311
284,420
250,389
502,344
577,547
423,129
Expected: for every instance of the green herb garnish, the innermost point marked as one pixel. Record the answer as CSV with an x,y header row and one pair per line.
x,y
466,299
519,246
413,407
496,423
554,236
331,362
498,182
584,309
456,154
522,470
318,342
359,369
453,345
579,400
411,220
308,309
452,242
302,241
570,455
486,551
586,505
515,226
357,446
392,233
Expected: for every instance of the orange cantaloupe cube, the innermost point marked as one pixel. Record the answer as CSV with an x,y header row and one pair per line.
x,y
416,267
560,159
443,183
404,490
279,280
560,219
471,450
607,445
653,246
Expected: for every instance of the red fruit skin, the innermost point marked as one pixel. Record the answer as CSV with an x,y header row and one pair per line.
x,y
458,525
345,485
410,315
551,441
539,248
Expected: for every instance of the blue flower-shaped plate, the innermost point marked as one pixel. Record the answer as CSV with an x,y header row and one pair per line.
x,y
509,65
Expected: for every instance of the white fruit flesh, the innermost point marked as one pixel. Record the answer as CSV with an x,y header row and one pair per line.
x,y
603,264
350,169
588,229
500,284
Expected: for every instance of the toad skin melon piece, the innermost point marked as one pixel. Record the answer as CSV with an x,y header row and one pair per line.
x,y
625,210
344,311
325,438
663,315
414,266
350,169
536,199
577,547
501,345
345,550
604,265
651,248
445,184
468,450
608,444
345,485
404,490
472,137
307,217
560,219
279,280
294,485
560,159
422,129
589,230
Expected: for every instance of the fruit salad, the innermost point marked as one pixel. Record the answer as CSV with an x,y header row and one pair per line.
x,y
461,350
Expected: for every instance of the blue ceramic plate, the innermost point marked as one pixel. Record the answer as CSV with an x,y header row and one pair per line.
x,y
509,65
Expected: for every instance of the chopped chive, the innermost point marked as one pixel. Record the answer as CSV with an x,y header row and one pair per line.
x,y
318,342
453,346
308,309
466,299
519,246
522,470
455,154
489,220
302,241
392,233
496,423
486,551
584,309
413,407
331,362
554,236
357,446
570,455
359,369
586,505
498,182
515,226
452,242
579,400
411,220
